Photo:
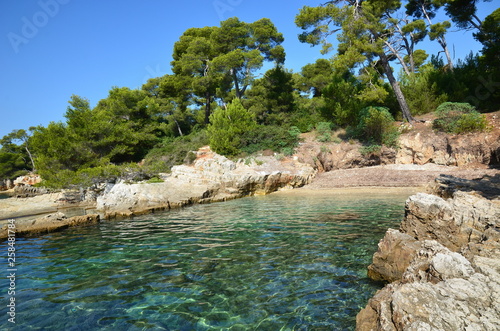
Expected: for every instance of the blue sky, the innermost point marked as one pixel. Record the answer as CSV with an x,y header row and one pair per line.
x,y
51,49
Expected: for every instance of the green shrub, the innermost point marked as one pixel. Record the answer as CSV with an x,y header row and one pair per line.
x,y
174,151
457,118
324,149
227,125
294,132
287,151
86,177
451,108
422,94
324,131
370,149
471,122
155,180
376,125
263,137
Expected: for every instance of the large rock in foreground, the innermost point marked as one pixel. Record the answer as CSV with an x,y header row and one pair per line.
x,y
444,263
210,178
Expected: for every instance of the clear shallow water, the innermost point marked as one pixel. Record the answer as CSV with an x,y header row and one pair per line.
x,y
262,263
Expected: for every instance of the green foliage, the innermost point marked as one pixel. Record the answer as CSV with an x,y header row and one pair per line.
x,y
154,180
294,132
213,60
489,36
324,131
453,117
11,165
227,125
307,113
452,109
341,99
422,94
377,126
271,97
17,142
314,77
471,122
471,81
174,151
370,149
86,177
275,138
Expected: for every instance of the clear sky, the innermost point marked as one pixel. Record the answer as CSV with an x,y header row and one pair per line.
x,y
51,49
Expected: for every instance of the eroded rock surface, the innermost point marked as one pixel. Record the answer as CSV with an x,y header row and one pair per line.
x,y
49,223
211,177
444,263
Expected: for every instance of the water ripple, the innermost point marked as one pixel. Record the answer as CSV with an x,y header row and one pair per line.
x,y
261,263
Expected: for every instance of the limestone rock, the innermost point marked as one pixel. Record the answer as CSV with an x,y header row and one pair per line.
x,y
440,291
444,263
211,177
443,149
49,223
454,223
393,257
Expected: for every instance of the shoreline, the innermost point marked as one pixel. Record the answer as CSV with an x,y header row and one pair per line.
x,y
377,180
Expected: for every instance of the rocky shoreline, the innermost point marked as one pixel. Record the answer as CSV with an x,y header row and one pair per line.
x,y
443,264
211,178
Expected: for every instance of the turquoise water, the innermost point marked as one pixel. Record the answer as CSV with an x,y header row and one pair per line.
x,y
294,262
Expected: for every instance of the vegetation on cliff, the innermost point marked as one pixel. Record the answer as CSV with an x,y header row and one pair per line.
x,y
214,94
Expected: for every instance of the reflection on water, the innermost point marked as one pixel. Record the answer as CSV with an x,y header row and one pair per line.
x,y
261,263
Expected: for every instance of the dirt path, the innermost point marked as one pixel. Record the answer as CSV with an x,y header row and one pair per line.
x,y
393,175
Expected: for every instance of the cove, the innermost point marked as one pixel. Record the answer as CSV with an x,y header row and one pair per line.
x,y
279,262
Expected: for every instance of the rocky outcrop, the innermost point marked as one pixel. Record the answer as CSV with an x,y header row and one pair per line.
x,y
441,290
344,155
444,149
49,223
444,263
6,184
211,177
27,180
21,181
27,191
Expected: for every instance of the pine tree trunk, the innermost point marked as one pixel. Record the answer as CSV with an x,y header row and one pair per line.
x,y
31,159
447,53
207,107
397,89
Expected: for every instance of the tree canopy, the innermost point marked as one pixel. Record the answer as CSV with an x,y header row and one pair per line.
x,y
219,93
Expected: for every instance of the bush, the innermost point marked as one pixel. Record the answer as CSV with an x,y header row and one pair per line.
x,y
376,125
86,177
422,95
457,118
324,131
275,138
174,151
226,127
370,149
